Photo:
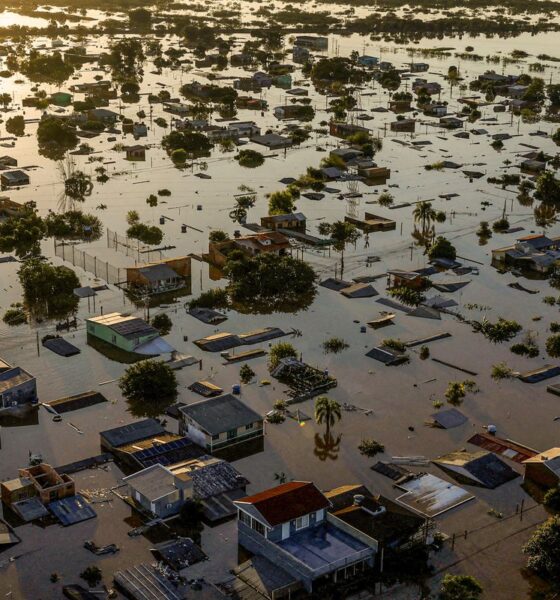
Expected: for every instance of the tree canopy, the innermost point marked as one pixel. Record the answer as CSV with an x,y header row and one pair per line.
x,y
150,386
268,282
543,550
48,290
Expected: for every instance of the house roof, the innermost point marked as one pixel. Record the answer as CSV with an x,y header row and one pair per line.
x,y
155,273
13,377
127,434
154,482
219,414
125,325
286,502
549,458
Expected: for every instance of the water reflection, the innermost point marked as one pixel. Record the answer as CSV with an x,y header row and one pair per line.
x,y
327,446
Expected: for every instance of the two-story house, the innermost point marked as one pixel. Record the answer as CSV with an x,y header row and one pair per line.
x,y
290,527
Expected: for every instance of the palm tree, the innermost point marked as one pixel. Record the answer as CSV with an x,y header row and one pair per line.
x,y
341,233
327,411
425,214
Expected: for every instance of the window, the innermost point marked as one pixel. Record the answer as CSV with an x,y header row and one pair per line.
x,y
215,437
244,518
231,434
258,527
250,426
320,515
114,339
302,522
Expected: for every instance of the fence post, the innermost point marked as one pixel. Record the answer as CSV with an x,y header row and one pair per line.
x,y
107,270
95,265
73,255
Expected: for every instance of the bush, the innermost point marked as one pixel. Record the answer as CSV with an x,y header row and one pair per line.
x,y
162,323
370,448
501,371
15,316
501,225
553,345
148,234
148,381
442,248
246,374
460,587
217,298
407,295
552,499
394,344
250,159
218,236
278,352
92,575
334,345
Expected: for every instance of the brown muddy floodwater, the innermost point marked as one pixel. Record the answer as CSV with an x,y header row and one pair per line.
x,y
400,398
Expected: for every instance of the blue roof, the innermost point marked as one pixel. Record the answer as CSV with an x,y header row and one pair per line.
x,y
72,510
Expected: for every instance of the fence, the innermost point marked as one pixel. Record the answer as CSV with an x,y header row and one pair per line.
x,y
131,247
92,264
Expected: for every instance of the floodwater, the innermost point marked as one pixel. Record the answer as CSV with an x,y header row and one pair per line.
x,y
400,398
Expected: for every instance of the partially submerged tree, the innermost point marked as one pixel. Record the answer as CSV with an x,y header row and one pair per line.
x,y
162,323
327,411
460,587
279,351
48,290
150,386
370,448
543,550
341,233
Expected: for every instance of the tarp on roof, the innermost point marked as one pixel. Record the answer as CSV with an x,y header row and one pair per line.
x,y
72,510
447,419
154,347
390,470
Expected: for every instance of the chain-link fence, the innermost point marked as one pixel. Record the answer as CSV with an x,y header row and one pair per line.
x,y
131,247
91,264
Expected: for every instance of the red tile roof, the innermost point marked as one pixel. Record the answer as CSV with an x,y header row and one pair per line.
x,y
286,502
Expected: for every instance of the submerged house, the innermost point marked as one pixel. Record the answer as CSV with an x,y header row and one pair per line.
x,y
223,425
265,242
537,253
544,468
157,490
14,178
18,388
127,333
9,208
162,276
289,526
292,221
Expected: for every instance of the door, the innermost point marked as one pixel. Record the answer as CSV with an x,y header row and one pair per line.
x,y
285,530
